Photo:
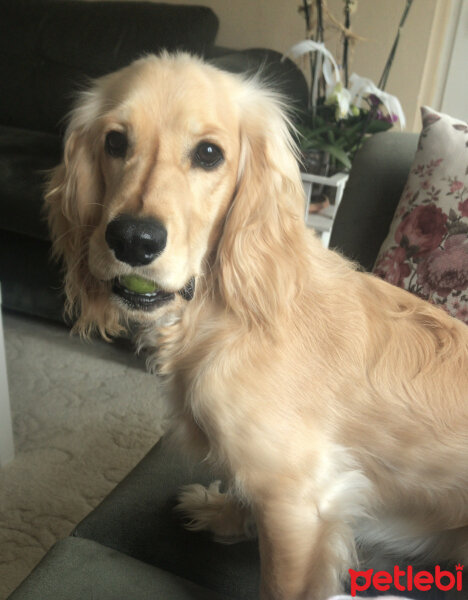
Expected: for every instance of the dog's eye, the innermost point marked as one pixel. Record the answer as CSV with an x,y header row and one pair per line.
x,y
116,144
207,155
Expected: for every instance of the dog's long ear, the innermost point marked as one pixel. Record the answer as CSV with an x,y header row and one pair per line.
x,y
262,246
73,203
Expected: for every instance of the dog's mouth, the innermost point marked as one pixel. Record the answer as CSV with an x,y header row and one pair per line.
x,y
139,293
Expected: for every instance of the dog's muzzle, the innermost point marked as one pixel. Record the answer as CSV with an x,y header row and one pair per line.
x,y
137,241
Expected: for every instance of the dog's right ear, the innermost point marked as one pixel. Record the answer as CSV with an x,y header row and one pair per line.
x,y
73,203
75,185
75,188
72,196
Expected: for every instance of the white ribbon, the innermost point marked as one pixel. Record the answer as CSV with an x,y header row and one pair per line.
x,y
361,86
329,63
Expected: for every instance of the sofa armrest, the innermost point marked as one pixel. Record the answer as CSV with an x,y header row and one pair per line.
x,y
75,569
137,519
378,176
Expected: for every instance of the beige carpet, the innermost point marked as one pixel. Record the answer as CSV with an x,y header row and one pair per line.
x,y
83,414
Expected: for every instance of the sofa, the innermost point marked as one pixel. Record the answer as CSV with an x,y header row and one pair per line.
x,y
49,49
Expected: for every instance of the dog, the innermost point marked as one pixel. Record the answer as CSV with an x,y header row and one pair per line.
x,y
335,403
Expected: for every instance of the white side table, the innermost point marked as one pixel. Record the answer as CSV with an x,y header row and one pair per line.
x,y
322,221
6,432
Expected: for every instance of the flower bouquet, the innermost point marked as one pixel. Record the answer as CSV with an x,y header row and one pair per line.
x,y
342,110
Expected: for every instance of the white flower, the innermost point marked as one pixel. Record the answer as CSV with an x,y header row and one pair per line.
x,y
340,96
362,87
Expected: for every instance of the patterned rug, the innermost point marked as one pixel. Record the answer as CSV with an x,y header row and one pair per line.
x,y
84,413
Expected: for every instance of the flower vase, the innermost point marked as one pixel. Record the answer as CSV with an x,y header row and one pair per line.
x,y
316,162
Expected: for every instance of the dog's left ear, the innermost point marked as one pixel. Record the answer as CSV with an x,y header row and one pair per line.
x,y
259,255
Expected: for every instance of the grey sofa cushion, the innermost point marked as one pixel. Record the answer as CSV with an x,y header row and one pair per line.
x,y
377,179
48,47
77,569
31,282
137,518
25,157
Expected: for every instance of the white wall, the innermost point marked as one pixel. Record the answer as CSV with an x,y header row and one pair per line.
x,y
454,90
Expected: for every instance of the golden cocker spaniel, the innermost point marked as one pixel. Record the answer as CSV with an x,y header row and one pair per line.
x,y
335,403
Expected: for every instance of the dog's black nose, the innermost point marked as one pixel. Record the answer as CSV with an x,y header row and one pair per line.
x,y
136,240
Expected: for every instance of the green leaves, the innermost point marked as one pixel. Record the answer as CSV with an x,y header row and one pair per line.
x,y
339,154
378,125
342,138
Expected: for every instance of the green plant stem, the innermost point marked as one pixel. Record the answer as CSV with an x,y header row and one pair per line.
x,y
391,56
305,5
371,115
319,37
346,43
318,60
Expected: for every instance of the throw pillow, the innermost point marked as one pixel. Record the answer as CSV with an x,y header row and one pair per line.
x,y
426,250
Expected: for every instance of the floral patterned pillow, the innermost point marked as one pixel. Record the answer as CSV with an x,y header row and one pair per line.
x,y
426,250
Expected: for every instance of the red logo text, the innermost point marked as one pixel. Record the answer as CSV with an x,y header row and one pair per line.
x,y
406,580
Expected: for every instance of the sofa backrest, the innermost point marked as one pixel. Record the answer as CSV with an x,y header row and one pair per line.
x,y
48,48
378,175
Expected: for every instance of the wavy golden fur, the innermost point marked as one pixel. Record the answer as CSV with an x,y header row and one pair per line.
x,y
336,404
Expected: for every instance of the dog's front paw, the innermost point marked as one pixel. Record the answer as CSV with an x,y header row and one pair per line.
x,y
208,509
200,505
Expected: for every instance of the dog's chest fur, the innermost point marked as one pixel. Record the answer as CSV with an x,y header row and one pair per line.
x,y
200,358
